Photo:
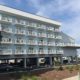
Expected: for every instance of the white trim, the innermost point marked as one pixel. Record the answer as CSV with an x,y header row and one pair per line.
x,y
27,15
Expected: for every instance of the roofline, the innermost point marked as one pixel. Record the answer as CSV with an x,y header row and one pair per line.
x,y
28,15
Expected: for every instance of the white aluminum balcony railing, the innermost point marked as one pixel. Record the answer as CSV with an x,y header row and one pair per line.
x,y
56,30
42,27
41,35
20,41
31,42
41,52
6,19
20,22
50,28
50,36
51,44
31,52
58,37
20,32
7,30
31,33
42,43
5,52
52,52
17,52
31,25
59,52
67,44
6,41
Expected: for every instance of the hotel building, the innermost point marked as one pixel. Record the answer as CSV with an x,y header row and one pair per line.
x,y
33,40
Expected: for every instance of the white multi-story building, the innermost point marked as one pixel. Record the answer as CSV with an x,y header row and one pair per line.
x,y
32,38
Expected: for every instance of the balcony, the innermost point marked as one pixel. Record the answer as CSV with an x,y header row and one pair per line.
x,y
42,27
6,30
31,52
41,35
56,30
59,52
20,32
6,41
41,52
42,43
50,36
6,19
34,34
58,37
19,51
31,25
5,52
31,42
51,44
52,52
50,28
20,22
20,41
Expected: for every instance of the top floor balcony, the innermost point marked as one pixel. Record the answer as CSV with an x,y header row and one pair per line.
x,y
56,30
5,19
42,27
50,28
31,25
20,22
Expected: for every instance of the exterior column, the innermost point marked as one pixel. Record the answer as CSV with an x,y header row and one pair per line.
x,y
15,60
25,62
61,60
38,62
76,59
68,60
51,63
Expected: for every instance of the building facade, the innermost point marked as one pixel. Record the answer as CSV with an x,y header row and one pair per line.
x,y
30,38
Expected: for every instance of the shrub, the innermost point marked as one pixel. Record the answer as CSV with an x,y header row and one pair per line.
x,y
34,78
71,68
60,68
77,67
24,77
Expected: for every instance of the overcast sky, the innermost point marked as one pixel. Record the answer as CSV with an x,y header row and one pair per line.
x,y
65,11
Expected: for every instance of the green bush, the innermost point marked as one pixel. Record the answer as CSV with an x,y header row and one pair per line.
x,y
77,67
71,68
34,78
60,68
24,77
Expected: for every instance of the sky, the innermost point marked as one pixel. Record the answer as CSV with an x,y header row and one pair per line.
x,y
65,11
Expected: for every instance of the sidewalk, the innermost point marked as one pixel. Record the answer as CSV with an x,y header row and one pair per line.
x,y
72,78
